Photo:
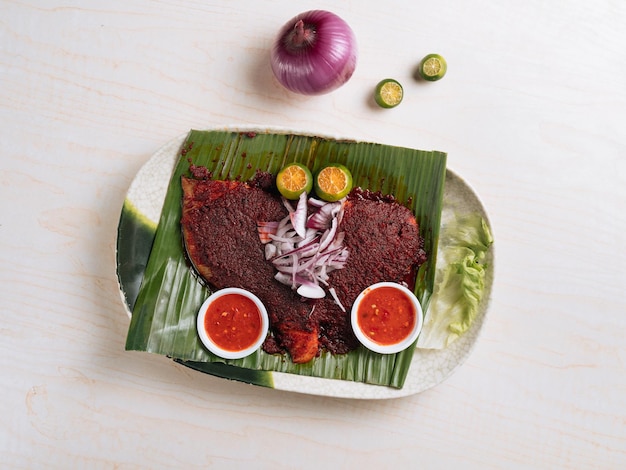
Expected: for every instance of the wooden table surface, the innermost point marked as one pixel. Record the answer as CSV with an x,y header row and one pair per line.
x,y
531,114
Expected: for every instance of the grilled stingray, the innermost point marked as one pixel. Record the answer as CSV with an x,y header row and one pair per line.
x,y
219,227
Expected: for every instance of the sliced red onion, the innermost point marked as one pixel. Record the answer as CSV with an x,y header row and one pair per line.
x,y
311,234
321,218
294,267
303,250
287,205
284,227
303,258
338,241
266,229
328,236
298,216
316,202
311,290
270,250
283,278
333,293
283,239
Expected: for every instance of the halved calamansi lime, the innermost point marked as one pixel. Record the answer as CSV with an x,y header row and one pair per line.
x,y
293,180
388,93
333,182
433,67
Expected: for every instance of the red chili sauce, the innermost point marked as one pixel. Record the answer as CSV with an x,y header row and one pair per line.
x,y
233,322
386,315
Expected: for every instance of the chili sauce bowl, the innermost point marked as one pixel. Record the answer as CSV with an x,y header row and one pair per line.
x,y
387,317
232,323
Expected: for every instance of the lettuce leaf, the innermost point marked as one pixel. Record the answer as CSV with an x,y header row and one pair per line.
x,y
459,281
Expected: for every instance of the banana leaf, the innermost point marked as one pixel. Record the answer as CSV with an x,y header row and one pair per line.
x,y
164,313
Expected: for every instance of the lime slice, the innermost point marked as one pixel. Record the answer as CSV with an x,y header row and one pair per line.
x,y
433,67
333,182
293,180
388,93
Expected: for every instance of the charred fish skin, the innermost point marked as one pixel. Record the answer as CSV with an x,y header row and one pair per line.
x,y
218,226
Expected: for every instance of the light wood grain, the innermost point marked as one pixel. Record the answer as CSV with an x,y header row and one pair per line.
x,y
531,113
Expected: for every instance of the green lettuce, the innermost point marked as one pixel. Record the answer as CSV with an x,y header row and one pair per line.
x,y
459,281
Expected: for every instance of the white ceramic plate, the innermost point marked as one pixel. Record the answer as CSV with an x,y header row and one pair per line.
x,y
429,366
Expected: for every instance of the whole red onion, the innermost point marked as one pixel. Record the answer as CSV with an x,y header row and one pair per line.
x,y
314,53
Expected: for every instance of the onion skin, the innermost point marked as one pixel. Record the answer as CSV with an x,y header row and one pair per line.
x,y
314,53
